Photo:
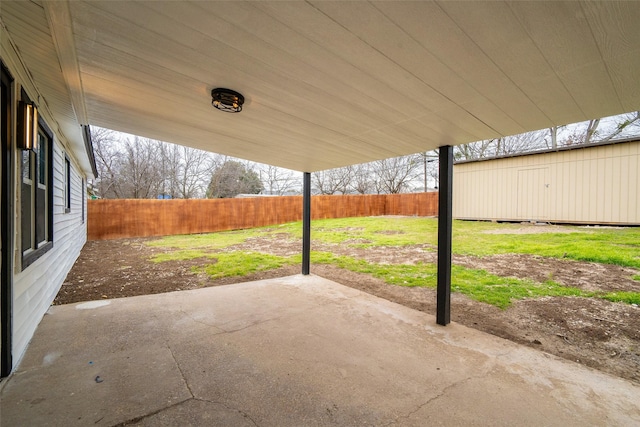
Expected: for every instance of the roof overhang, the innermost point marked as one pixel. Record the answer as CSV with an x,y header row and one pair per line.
x,y
328,84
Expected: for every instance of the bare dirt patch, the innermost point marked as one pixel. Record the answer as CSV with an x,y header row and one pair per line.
x,y
593,332
587,276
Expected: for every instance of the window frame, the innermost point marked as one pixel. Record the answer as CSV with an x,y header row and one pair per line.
x,y
83,191
38,249
67,184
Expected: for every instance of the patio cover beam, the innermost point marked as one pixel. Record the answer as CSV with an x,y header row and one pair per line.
x,y
306,223
445,198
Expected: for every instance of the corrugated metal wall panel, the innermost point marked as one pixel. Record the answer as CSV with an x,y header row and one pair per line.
x,y
596,184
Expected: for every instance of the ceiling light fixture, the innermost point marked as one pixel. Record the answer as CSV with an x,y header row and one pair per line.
x,y
227,100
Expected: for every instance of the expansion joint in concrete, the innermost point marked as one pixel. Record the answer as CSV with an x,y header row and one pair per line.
x,y
241,412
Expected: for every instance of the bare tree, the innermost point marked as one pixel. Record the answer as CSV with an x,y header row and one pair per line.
x,y
197,166
592,129
361,181
278,181
128,167
473,150
134,167
602,130
587,132
394,175
186,171
107,161
332,181
141,170
503,146
170,161
520,143
626,123
553,136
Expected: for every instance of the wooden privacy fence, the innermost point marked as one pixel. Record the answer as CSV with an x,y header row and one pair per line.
x,y
120,218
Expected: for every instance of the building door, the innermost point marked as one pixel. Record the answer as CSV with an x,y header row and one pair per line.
x,y
6,242
532,194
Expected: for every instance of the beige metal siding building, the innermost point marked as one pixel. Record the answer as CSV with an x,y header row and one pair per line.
x,y
597,184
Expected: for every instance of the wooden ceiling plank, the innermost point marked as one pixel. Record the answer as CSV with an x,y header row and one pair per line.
x,y
625,73
293,63
593,90
27,23
310,23
59,20
261,124
447,42
110,92
128,122
335,84
561,31
493,116
552,97
244,62
510,49
614,25
444,104
373,28
122,85
295,157
27,12
211,120
437,132
615,28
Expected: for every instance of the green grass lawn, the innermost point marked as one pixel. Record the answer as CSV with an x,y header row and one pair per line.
x,y
620,246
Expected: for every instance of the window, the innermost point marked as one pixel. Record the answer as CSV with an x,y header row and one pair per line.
x,y
83,190
67,185
37,197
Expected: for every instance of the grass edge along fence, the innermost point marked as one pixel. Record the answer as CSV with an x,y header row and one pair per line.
x,y
123,218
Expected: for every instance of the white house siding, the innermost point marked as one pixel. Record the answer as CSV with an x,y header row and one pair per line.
x,y
597,185
36,286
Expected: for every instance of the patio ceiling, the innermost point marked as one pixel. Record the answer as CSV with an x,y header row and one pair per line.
x,y
330,84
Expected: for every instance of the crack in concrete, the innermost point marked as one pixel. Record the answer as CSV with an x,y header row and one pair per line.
x,y
221,328
251,325
193,396
150,414
201,322
184,379
137,419
433,399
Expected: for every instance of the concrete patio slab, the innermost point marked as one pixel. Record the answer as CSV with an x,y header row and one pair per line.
x,y
295,351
